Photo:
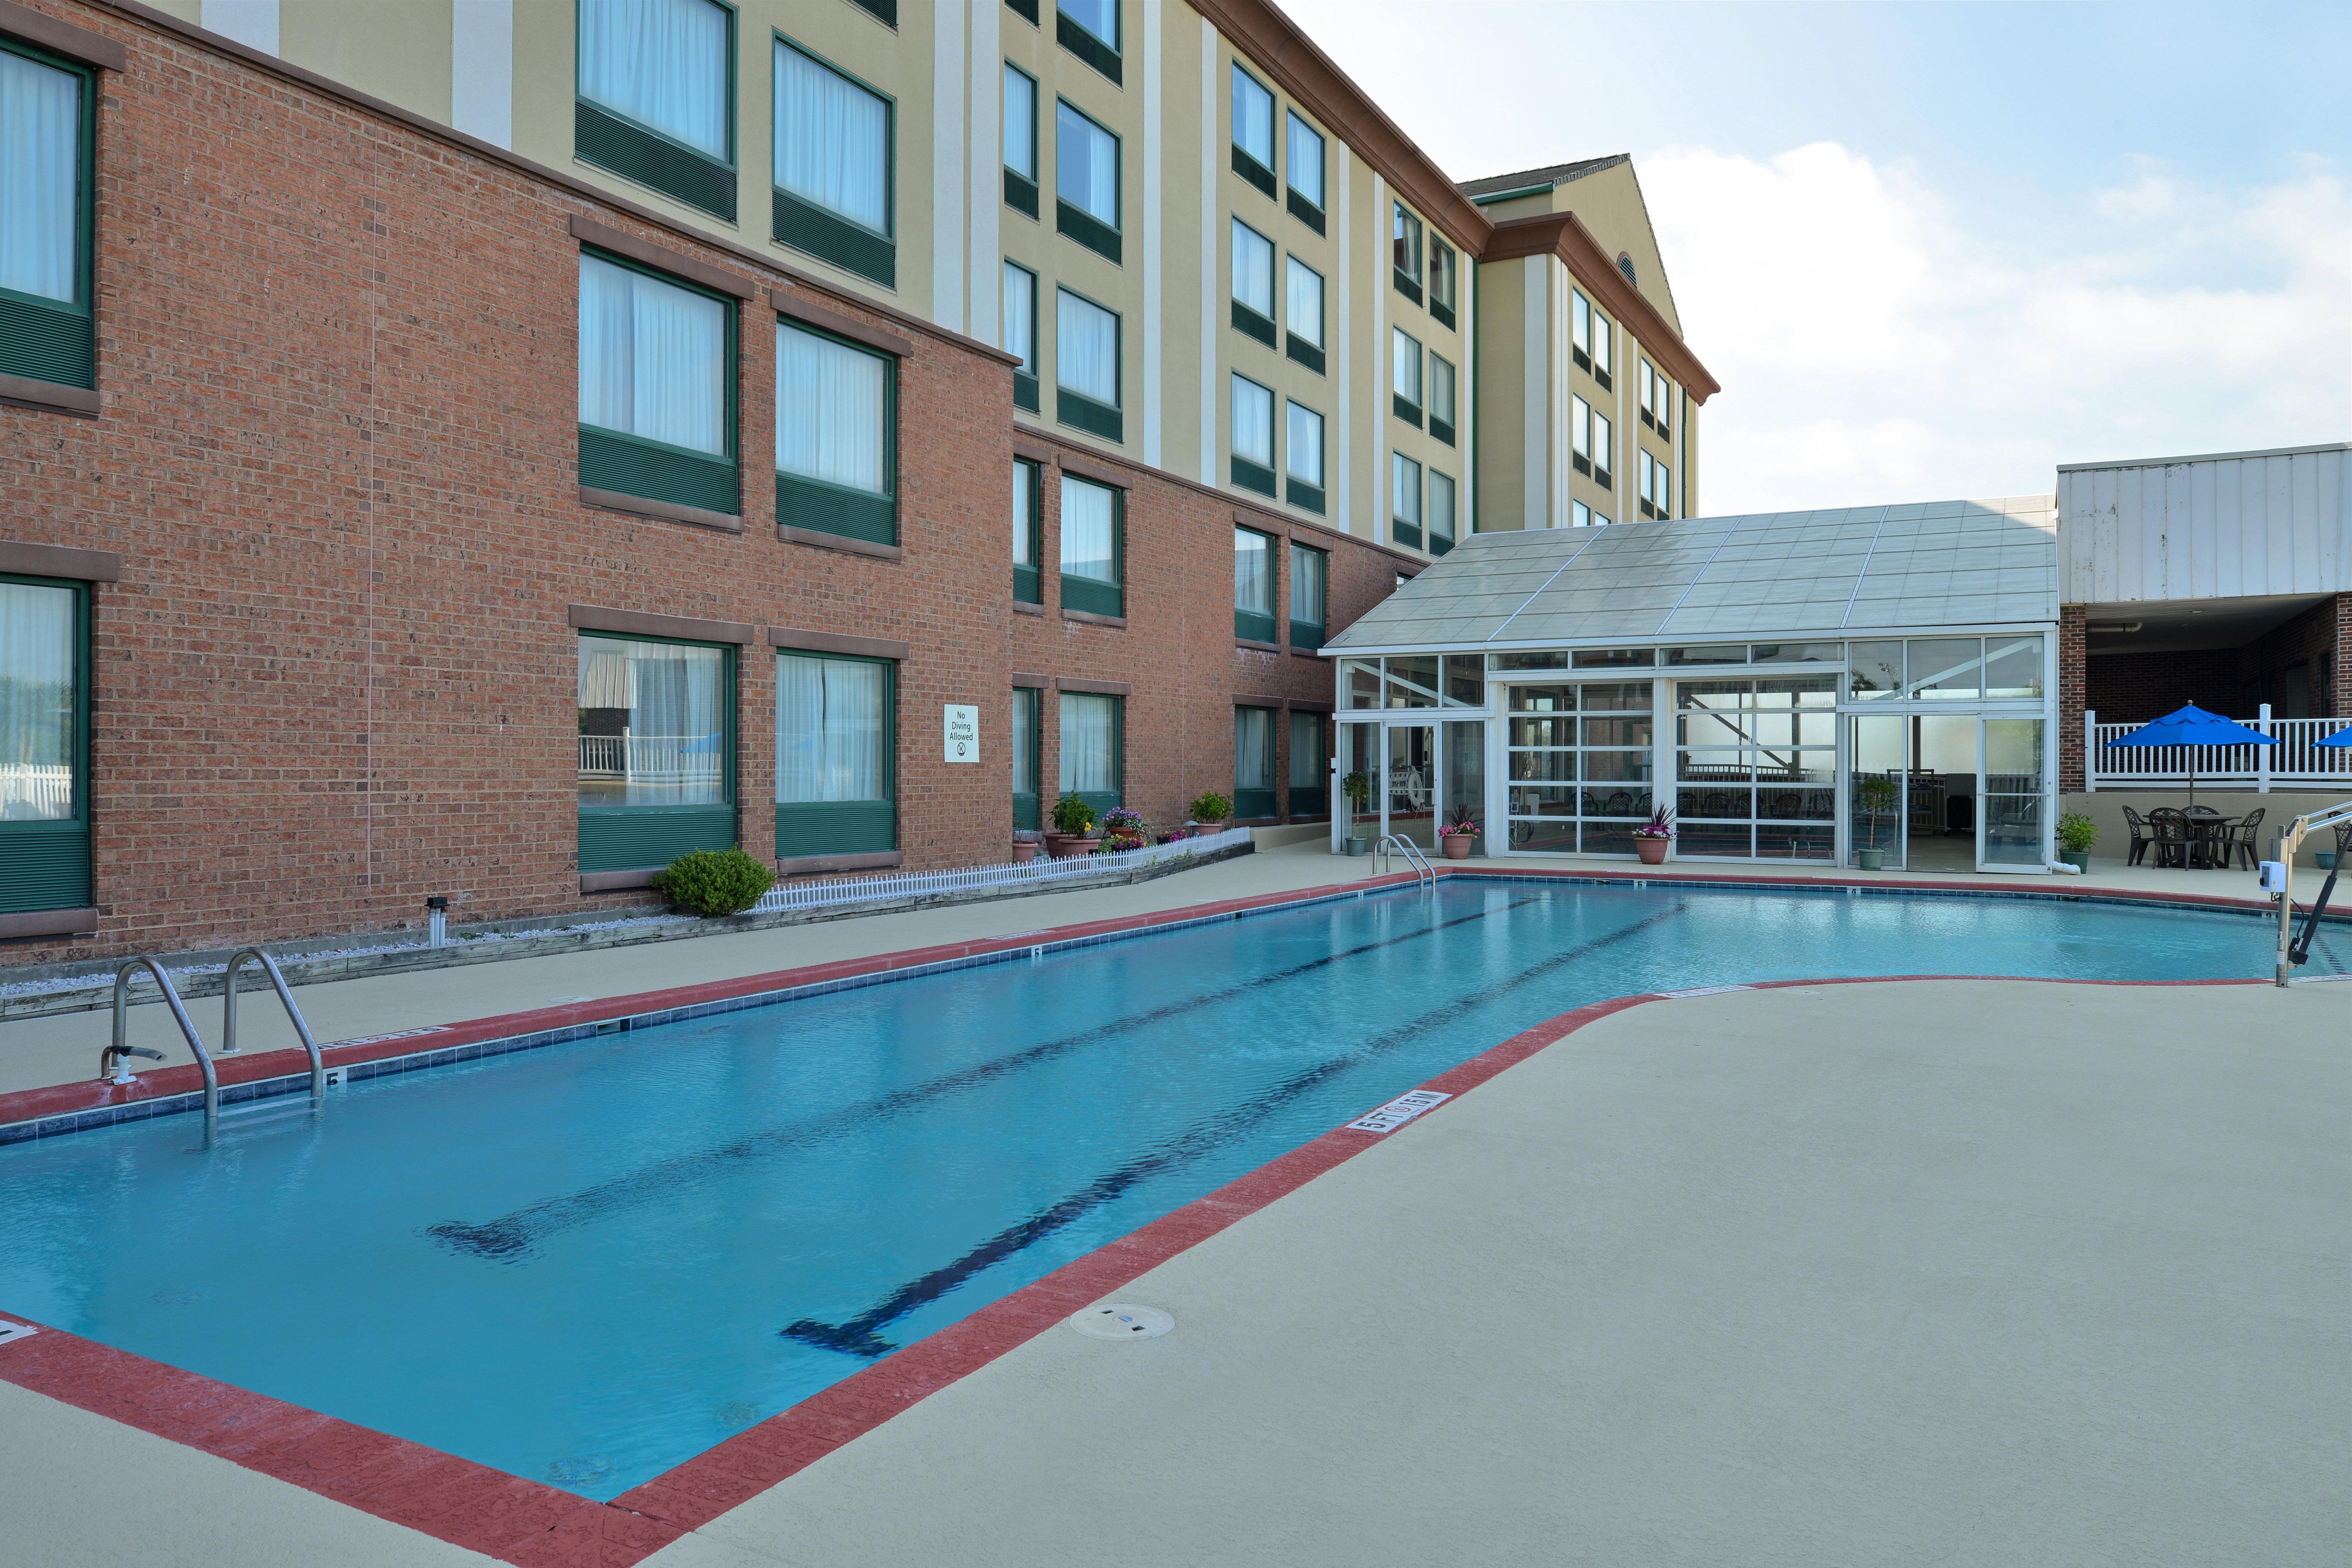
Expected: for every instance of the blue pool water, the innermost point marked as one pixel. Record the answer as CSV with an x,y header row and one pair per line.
x,y
586,1263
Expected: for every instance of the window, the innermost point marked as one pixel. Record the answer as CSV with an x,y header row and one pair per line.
x,y
1252,131
1756,767
1086,365
656,389
1089,29
1305,198
1404,376
1580,329
1625,265
656,97
1026,699
1252,436
1656,396
1404,498
1092,746
1440,398
1579,515
1404,230
1310,754
1303,300
656,751
1302,458
1580,434
1085,181
1598,521
833,197
1580,763
1020,141
1028,532
1091,548
1310,575
1600,349
1599,448
1253,586
1024,9
44,741
1441,512
1253,794
1021,332
1656,486
836,739
47,330
837,436
1443,280
1253,283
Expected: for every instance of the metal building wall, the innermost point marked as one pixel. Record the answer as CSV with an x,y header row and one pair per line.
x,y
2224,526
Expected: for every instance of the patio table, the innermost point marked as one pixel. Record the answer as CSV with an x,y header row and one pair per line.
x,y
2210,832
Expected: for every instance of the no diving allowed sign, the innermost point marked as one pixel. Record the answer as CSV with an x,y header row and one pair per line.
x,y
1398,1111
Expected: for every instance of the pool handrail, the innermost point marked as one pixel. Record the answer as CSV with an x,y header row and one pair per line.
x,y
1423,873
302,1027
179,1016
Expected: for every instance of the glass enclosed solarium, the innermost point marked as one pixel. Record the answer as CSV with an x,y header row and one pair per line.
x,y
1793,686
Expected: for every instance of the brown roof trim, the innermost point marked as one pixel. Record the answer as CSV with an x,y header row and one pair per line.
x,y
1275,44
835,642
59,561
815,315
44,31
163,22
604,237
1098,687
645,624
1563,234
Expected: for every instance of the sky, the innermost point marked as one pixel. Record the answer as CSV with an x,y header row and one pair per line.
x,y
1934,250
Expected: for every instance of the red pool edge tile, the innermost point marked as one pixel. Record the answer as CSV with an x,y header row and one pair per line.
x,y
533,1525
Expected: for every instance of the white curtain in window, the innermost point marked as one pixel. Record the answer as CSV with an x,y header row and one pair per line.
x,y
1020,122
1253,118
1085,165
1441,506
1253,572
1253,748
40,179
1307,566
1099,18
1088,530
1253,270
672,697
1441,389
653,358
1089,763
1580,426
1600,341
1599,441
1303,454
663,63
1307,759
1086,348
1252,422
1404,487
1024,502
1304,287
36,701
832,411
832,141
1579,323
1020,315
1405,365
1306,151
1025,741
829,740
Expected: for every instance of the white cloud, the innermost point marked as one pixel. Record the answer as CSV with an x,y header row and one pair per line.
x,y
1877,343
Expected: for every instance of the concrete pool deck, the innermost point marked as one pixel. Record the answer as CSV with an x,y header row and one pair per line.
x,y
1848,1274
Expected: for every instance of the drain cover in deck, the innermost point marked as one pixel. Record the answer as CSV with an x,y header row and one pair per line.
x,y
1122,1321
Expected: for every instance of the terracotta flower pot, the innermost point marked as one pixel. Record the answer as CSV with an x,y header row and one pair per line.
x,y
1459,845
1066,847
1652,851
1023,851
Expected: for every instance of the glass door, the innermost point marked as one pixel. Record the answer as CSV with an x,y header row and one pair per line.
x,y
1464,796
2010,827
1879,760
1408,798
1360,783
1940,814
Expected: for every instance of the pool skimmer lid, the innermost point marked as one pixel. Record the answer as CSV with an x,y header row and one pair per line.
x,y
1122,1321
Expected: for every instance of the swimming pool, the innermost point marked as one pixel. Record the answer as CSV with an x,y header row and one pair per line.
x,y
586,1263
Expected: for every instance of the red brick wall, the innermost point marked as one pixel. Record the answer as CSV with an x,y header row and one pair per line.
x,y
338,455
2072,682
2134,688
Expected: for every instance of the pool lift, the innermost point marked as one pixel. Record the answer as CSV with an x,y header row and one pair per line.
x,y
2278,880
113,1066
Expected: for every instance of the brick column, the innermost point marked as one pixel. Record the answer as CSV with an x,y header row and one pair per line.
x,y
2339,687
2073,682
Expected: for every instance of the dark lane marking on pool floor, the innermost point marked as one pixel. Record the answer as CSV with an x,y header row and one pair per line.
x,y
511,1236
858,1336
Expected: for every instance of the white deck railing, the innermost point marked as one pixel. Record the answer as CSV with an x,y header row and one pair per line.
x,y
1040,871
34,792
2297,761
650,759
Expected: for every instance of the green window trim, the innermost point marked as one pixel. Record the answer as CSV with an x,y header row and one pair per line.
x,y
845,511
1024,9
1028,581
1081,411
1304,496
55,341
47,865
1076,38
1027,808
1092,595
883,11
1306,631
1077,223
802,224
1260,626
621,145
639,465
647,837
847,826
1304,353
1255,477
1255,173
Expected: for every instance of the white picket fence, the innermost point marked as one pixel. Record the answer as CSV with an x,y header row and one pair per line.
x,y
2297,761
1041,871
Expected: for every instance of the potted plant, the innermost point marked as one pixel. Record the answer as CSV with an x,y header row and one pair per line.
x,y
1655,838
2076,834
1460,835
1072,832
1025,846
1875,797
1358,787
1123,829
1210,811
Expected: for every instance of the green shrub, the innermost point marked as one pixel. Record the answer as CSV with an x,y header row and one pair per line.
x,y
2076,832
714,881
1073,816
1209,806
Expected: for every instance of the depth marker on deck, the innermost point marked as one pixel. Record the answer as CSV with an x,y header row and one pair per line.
x,y
1398,1111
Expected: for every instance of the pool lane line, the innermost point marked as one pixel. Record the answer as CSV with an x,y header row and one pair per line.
x,y
533,1525
858,1336
510,1236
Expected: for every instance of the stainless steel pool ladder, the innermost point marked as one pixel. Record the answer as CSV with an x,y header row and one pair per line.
x,y
110,1063
1423,873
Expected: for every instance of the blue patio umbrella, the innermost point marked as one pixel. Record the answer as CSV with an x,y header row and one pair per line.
x,y
2341,738
2192,726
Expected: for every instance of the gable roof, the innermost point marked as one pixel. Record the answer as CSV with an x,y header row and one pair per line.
x,y
1527,182
1859,570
